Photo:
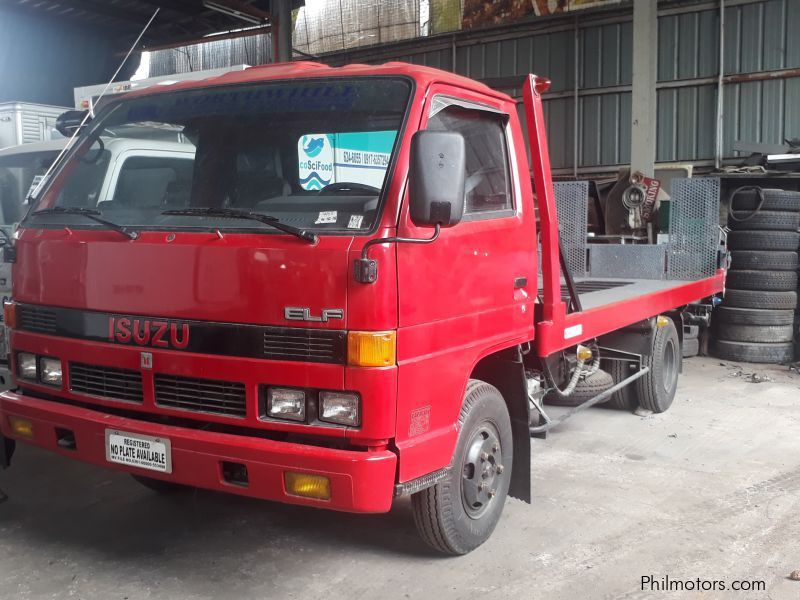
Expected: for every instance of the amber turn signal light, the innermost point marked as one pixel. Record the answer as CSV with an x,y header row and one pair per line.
x,y
371,348
10,314
21,427
307,485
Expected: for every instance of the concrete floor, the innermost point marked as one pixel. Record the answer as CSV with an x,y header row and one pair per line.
x,y
709,490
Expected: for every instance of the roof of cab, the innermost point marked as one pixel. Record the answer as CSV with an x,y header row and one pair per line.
x,y
311,70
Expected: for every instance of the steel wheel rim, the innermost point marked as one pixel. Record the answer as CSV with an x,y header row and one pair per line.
x,y
481,470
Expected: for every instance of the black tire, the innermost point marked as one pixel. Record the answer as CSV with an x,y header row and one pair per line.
x,y
625,398
456,516
769,220
765,281
763,300
656,389
753,353
727,315
773,200
690,347
763,260
597,383
757,334
160,486
763,240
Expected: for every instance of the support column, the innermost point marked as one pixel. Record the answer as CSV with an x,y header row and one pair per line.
x,y
281,30
643,101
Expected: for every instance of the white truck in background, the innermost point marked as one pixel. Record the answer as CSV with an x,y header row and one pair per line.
x,y
25,122
122,170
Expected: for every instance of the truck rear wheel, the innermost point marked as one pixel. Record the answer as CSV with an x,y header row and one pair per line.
x,y
460,512
657,387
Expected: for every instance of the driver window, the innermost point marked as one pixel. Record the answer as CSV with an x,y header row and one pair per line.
x,y
487,185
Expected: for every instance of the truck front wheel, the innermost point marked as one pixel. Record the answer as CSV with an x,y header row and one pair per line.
x,y
657,387
460,512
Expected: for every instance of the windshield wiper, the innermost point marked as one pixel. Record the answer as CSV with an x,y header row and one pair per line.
x,y
231,213
89,213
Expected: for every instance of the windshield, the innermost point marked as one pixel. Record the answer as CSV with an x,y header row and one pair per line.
x,y
312,154
19,174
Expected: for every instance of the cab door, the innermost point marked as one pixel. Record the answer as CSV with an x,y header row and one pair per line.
x,y
472,290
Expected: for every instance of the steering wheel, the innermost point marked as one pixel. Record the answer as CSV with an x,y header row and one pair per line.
x,y
346,186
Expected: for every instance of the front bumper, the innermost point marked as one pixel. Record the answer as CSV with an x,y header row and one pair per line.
x,y
360,481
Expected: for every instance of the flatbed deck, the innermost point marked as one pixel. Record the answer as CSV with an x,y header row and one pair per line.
x,y
599,291
609,304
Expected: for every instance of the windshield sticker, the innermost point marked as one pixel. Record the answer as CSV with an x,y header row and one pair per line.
x,y
348,157
355,221
315,161
326,216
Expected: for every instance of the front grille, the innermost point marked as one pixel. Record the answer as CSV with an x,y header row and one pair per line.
x,y
312,345
36,319
105,382
225,398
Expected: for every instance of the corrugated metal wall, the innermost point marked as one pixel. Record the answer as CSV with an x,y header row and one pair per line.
x,y
589,57
760,41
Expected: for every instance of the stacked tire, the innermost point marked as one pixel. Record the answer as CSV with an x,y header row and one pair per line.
x,y
756,320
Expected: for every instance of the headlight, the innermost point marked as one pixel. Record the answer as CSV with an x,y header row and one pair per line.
x,y
26,366
50,371
284,403
340,407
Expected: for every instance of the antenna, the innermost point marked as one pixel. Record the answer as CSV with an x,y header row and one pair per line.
x,y
33,196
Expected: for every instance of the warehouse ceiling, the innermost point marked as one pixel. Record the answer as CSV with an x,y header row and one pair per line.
x,y
179,21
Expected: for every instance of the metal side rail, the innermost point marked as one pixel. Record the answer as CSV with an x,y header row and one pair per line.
x,y
550,423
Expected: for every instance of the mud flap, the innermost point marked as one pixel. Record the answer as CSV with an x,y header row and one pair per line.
x,y
7,446
507,373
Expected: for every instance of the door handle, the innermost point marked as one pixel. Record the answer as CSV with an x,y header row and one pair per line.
x,y
520,282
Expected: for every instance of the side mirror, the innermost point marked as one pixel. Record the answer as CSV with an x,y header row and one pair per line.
x,y
436,178
70,121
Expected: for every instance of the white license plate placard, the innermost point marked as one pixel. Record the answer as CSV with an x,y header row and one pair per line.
x,y
142,451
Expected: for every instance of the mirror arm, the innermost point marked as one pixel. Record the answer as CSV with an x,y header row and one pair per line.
x,y
365,269
400,240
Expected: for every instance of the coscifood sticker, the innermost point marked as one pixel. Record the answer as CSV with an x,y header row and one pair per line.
x,y
315,153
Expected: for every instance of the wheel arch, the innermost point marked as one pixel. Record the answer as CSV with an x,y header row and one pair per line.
x,y
505,370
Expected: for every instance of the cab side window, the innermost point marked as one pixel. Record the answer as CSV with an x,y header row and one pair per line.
x,y
487,181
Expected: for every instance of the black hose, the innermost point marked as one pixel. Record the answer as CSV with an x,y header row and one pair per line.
x,y
761,199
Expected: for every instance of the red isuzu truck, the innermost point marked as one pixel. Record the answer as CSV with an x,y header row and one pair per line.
x,y
351,293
